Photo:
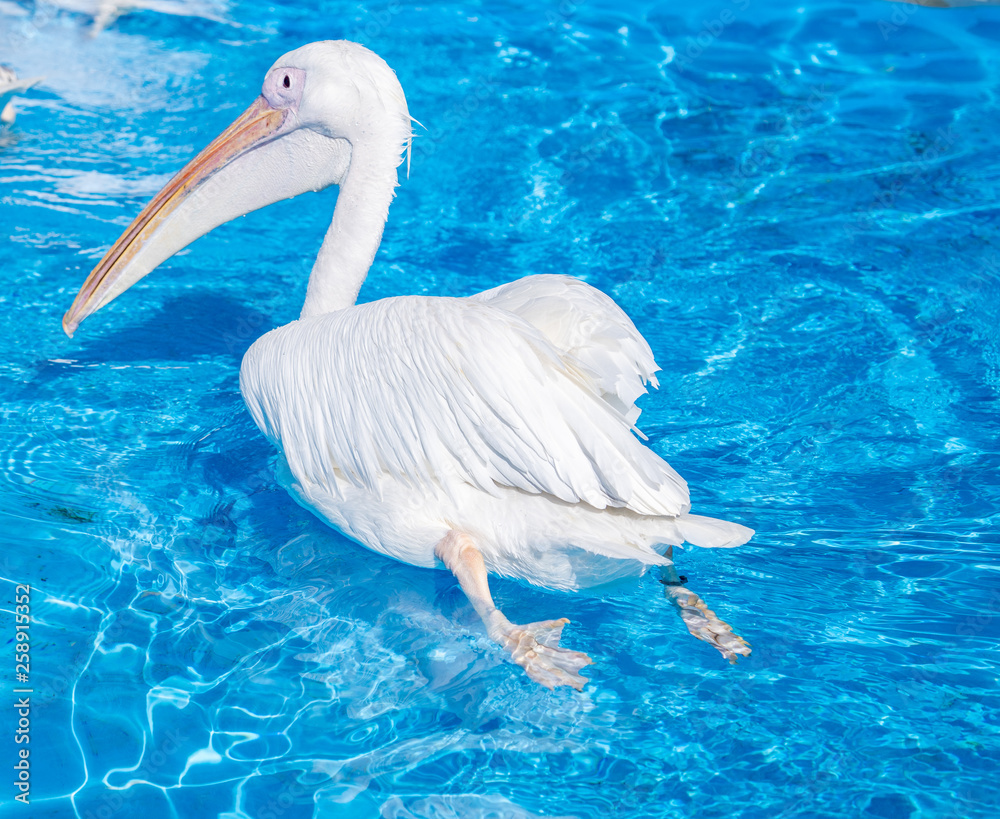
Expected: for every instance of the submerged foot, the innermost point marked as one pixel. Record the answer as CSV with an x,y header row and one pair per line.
x,y
706,625
535,647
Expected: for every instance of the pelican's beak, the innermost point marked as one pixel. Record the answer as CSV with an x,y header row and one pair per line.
x,y
126,263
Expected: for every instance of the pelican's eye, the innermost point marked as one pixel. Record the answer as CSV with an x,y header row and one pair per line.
x,y
283,86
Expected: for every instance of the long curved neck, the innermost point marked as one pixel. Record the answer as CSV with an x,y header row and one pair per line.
x,y
355,232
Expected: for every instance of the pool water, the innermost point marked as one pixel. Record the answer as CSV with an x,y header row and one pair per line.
x,y
796,203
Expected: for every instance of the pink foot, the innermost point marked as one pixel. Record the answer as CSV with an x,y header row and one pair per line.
x,y
535,647
706,625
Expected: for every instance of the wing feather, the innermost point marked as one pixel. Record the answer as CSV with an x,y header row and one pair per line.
x,y
586,326
432,390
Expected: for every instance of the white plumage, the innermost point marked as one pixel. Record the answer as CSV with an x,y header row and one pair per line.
x,y
495,432
389,413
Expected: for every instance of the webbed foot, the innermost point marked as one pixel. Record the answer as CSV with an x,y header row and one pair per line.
x,y
535,647
706,625
700,620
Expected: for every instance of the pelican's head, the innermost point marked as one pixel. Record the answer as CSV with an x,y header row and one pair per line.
x,y
341,90
320,105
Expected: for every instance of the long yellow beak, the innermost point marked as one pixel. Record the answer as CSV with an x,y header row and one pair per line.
x,y
113,276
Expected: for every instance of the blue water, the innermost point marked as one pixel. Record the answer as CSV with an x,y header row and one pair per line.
x,y
797,204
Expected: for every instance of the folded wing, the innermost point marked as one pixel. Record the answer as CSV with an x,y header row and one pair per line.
x,y
501,390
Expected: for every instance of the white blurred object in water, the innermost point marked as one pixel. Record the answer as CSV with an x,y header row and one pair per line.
x,y
105,12
949,4
10,85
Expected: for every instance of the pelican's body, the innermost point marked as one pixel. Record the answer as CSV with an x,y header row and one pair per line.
x,y
490,433
508,415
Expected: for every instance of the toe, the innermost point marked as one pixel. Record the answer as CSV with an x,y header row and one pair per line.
x,y
535,647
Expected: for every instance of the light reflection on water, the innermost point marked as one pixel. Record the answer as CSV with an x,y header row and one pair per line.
x,y
796,208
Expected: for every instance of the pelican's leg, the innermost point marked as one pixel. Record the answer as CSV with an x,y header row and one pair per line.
x,y
535,646
700,620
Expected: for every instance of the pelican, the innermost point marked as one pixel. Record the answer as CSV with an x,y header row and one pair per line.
x,y
10,84
106,12
494,433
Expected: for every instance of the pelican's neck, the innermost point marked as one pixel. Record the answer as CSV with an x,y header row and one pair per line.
x,y
355,232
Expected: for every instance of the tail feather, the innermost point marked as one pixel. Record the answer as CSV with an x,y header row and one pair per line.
x,y
711,533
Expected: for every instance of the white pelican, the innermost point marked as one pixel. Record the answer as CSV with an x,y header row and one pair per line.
x,y
105,12
493,433
10,84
